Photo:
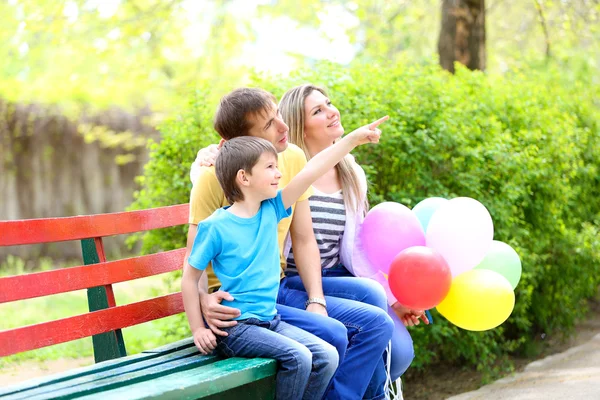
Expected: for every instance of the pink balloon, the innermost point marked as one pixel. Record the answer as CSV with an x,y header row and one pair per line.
x,y
388,229
462,231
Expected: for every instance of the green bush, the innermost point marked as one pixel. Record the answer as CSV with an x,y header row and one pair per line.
x,y
524,144
166,176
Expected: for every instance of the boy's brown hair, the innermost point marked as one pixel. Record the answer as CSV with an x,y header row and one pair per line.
x,y
239,153
231,118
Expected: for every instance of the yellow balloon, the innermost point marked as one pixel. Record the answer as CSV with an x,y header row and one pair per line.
x,y
478,300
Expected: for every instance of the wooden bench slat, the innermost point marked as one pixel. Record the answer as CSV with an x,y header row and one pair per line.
x,y
28,286
262,389
64,330
175,346
46,230
109,365
94,372
196,383
133,377
114,378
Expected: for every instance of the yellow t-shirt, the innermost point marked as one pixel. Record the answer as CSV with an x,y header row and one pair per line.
x,y
207,196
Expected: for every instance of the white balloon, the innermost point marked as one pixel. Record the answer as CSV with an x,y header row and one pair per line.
x,y
462,231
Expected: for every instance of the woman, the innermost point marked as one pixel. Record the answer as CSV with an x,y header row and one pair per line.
x,y
338,207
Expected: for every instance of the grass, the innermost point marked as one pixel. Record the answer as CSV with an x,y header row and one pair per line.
x,y
32,311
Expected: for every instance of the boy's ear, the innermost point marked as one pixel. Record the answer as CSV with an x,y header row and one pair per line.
x,y
242,178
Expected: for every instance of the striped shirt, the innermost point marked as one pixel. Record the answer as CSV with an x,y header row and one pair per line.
x,y
328,218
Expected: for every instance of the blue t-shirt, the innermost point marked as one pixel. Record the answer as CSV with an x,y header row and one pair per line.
x,y
245,256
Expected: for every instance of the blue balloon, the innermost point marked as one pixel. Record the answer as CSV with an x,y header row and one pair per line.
x,y
425,209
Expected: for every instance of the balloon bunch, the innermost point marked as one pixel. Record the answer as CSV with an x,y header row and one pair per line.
x,y
442,254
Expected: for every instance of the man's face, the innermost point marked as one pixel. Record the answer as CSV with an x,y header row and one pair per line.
x,y
270,126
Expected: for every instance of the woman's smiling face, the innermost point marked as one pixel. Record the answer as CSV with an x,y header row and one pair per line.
x,y
322,122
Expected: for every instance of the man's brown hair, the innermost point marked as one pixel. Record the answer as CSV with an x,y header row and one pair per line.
x,y
231,118
239,153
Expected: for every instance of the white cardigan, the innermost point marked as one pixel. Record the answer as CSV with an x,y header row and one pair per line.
x,y
351,255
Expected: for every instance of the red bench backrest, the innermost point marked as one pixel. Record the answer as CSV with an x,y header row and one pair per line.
x,y
98,273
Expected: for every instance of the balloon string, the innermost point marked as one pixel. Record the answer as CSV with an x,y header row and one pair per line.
x,y
389,389
393,390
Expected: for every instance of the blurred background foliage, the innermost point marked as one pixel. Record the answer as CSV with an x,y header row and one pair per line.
x,y
522,136
145,53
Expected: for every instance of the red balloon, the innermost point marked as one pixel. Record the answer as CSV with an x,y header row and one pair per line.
x,y
420,278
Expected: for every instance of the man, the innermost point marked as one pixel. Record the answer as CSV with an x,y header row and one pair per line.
x,y
253,112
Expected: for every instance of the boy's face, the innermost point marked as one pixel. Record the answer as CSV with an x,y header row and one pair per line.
x,y
270,126
264,178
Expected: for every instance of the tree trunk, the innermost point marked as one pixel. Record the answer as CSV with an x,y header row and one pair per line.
x,y
462,36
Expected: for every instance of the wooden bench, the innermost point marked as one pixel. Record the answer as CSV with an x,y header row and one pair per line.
x,y
175,371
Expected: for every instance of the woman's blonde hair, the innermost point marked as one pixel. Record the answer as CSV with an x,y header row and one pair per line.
x,y
292,111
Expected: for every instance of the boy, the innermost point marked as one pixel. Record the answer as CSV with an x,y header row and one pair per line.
x,y
241,241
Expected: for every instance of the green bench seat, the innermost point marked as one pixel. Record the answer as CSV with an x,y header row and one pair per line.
x,y
174,371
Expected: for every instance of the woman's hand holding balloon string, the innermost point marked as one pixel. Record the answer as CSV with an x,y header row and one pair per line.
x,y
409,317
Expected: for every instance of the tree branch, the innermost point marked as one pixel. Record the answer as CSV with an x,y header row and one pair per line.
x,y
540,11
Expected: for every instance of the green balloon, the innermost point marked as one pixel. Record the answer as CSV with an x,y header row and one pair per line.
x,y
504,260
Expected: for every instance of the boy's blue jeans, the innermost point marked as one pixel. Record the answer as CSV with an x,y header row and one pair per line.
x,y
305,362
368,329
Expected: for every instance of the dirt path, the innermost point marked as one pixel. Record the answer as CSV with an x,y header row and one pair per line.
x,y
573,374
440,383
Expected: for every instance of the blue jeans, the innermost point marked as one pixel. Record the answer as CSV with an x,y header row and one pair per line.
x,y
341,283
338,282
306,363
368,329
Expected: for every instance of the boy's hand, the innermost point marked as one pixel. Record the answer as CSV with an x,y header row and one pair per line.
x,y
368,133
409,317
205,340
